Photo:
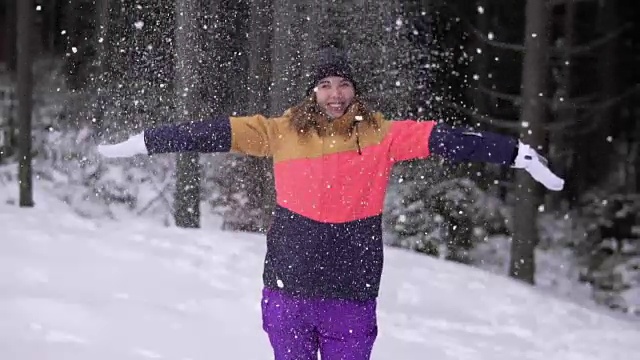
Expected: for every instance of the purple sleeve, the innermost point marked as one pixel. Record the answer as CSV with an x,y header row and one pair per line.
x,y
475,146
193,136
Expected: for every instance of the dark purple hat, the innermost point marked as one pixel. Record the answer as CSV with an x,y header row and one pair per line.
x,y
331,60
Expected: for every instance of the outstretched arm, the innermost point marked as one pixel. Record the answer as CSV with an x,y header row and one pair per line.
x,y
483,146
194,136
462,145
247,135
413,139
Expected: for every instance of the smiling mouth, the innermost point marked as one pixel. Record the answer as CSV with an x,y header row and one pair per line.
x,y
335,107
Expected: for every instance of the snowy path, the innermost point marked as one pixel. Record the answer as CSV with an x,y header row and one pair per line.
x,y
74,289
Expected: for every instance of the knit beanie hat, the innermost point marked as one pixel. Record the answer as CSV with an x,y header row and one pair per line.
x,y
331,60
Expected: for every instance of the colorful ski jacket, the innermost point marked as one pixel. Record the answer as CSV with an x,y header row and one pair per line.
x,y
325,238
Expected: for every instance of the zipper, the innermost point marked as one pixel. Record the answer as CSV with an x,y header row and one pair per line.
x,y
356,122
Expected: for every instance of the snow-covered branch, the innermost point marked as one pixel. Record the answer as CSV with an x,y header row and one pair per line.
x,y
572,50
494,43
590,46
564,2
583,102
501,123
515,99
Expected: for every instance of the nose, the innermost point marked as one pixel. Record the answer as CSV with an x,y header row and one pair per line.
x,y
335,93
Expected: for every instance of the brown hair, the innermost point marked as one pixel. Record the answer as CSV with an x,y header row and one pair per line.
x,y
308,116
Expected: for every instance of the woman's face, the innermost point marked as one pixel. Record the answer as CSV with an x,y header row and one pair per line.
x,y
334,95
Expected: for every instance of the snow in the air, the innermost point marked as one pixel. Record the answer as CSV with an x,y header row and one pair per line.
x,y
79,289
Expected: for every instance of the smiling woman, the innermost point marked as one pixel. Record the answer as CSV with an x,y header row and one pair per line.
x,y
334,94
332,157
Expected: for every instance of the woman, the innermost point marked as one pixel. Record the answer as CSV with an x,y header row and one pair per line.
x,y
332,158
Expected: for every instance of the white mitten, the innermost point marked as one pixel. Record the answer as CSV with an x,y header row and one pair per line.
x,y
133,146
536,165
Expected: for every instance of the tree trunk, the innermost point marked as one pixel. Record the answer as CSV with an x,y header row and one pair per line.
x,y
100,65
12,62
25,100
12,65
187,193
48,29
534,79
71,25
258,95
602,147
478,172
559,139
285,58
259,56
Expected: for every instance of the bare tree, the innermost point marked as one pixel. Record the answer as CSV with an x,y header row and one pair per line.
x,y
261,195
47,30
187,194
25,99
534,86
609,70
100,65
259,72
11,35
568,51
478,172
286,55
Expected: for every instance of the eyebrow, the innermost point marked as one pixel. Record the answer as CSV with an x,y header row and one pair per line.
x,y
329,82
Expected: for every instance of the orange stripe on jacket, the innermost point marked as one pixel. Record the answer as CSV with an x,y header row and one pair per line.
x,y
345,186
335,188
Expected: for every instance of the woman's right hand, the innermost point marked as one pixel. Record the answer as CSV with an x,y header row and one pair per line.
x,y
133,146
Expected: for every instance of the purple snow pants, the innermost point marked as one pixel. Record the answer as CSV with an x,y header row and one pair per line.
x,y
299,327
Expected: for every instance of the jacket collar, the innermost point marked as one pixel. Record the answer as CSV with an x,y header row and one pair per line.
x,y
342,125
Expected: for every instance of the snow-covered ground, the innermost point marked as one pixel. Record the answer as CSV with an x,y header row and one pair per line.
x,y
73,288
